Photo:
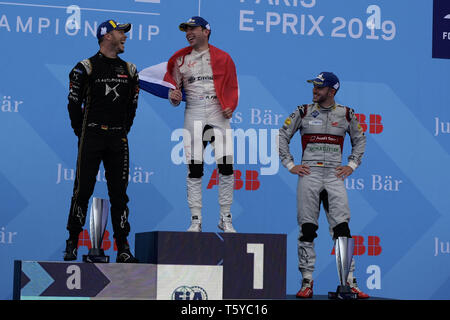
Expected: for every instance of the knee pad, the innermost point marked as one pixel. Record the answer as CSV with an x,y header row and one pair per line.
x,y
309,232
196,170
341,230
225,169
225,166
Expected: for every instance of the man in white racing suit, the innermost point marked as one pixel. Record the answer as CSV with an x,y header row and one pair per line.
x,y
323,126
208,77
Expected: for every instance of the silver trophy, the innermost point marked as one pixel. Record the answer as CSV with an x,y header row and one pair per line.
x,y
344,253
98,221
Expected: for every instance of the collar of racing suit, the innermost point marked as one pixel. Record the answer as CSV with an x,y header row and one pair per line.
x,y
198,53
107,59
331,107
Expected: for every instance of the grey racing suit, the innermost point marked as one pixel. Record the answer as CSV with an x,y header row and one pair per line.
x,y
204,121
323,132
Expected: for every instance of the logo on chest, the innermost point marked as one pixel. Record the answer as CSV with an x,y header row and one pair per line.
x,y
191,64
112,89
315,122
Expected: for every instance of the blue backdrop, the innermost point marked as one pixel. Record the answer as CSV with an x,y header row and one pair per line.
x,y
391,57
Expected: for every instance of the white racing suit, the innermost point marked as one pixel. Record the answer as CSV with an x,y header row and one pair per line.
x,y
323,131
203,122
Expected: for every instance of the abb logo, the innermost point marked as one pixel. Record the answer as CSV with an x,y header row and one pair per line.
x,y
251,180
374,125
373,246
84,240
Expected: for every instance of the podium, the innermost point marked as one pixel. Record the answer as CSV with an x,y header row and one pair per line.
x,y
172,266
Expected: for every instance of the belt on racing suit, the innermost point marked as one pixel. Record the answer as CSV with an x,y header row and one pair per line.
x,y
104,127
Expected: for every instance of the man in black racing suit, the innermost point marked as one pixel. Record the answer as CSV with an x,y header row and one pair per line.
x,y
103,97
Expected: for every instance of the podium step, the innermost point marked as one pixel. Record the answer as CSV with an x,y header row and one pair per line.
x,y
173,266
254,265
77,280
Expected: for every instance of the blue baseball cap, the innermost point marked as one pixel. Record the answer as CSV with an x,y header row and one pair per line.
x,y
326,79
110,25
195,22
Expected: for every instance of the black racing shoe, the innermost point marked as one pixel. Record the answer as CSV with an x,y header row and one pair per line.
x,y
124,255
71,251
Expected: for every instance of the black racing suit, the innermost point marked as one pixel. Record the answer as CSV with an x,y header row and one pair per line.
x,y
102,105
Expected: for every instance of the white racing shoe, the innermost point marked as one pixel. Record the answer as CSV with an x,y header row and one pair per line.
x,y
196,224
225,225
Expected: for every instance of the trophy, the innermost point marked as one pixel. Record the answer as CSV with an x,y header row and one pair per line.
x,y
98,221
344,253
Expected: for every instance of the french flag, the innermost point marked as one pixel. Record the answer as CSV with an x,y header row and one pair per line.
x,y
158,79
153,80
